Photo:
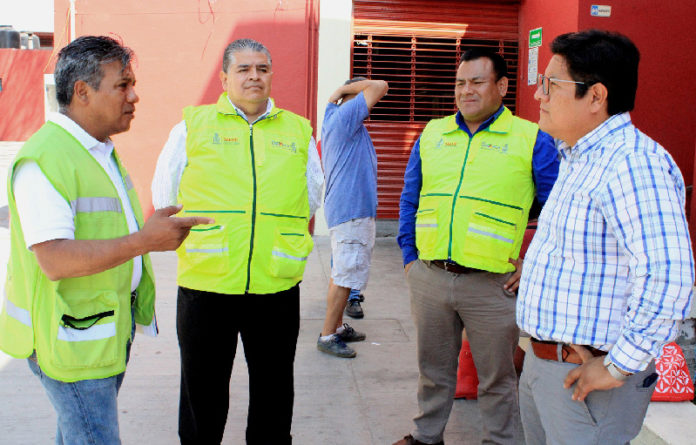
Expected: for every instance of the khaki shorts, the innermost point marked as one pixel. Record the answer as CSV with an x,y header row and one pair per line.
x,y
351,250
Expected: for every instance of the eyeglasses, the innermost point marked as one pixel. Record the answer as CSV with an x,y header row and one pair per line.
x,y
543,82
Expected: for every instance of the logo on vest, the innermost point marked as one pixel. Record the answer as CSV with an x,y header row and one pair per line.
x,y
441,143
217,140
502,149
282,145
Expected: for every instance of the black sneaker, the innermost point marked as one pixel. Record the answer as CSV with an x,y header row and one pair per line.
x,y
335,346
349,334
353,309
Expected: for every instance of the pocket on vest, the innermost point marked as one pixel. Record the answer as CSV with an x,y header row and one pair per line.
x,y
206,249
289,254
426,229
496,230
85,333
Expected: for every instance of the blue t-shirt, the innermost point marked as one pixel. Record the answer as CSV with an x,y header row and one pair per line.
x,y
349,161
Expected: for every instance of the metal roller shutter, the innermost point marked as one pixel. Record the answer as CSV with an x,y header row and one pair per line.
x,y
415,45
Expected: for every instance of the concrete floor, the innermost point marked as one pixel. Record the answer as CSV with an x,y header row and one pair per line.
x,y
367,400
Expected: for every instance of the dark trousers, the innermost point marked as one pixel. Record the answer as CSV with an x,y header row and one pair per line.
x,y
207,326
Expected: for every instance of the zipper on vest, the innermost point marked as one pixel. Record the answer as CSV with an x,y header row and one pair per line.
x,y
253,206
454,200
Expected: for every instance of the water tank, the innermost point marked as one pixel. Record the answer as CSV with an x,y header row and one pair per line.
x,y
28,40
9,37
34,42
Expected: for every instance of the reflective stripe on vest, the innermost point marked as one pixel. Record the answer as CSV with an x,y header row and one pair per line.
x,y
220,250
96,332
475,229
96,204
290,257
128,182
16,312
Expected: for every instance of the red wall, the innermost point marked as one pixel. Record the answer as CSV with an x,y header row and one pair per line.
x,y
663,32
179,45
554,17
22,95
664,35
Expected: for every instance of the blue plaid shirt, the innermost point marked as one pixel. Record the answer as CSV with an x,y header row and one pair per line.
x,y
611,264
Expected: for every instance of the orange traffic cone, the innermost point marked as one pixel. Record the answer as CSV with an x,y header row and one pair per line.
x,y
467,380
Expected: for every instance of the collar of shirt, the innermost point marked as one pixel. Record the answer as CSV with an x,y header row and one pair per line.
x,y
85,139
269,107
591,139
460,121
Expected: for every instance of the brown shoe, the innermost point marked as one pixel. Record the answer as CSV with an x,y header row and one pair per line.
x,y
409,440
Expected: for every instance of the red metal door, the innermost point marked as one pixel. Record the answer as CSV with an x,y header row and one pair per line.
x,y
415,45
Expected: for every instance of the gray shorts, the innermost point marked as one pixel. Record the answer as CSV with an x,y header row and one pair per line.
x,y
351,250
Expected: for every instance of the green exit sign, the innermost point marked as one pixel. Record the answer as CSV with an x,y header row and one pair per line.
x,y
535,38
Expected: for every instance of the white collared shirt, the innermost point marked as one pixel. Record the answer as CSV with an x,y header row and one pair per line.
x,y
172,161
45,215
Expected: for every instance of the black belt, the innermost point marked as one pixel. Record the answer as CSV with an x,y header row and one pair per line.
x,y
133,295
450,266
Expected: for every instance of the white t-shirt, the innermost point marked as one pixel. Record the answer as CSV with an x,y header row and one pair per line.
x,y
45,215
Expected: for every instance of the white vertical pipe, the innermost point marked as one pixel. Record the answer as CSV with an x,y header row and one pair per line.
x,y
72,20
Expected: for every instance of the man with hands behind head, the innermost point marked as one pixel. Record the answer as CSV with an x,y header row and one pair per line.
x,y
350,205
79,276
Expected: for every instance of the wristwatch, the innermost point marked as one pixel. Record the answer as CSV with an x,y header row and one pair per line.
x,y
614,370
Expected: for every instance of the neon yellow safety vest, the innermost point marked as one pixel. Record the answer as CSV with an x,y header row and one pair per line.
x,y
252,180
79,327
476,192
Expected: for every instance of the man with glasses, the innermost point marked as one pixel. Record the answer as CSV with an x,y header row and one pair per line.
x,y
468,187
609,273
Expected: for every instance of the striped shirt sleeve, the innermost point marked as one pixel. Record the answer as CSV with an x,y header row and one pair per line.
x,y
644,207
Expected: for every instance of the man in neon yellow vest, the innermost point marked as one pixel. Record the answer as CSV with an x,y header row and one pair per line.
x,y
79,276
468,187
256,169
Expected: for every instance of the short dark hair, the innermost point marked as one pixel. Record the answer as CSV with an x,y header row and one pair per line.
x,y
82,59
355,79
499,64
597,56
243,45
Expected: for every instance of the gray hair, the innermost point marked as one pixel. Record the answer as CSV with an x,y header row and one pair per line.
x,y
82,60
240,45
